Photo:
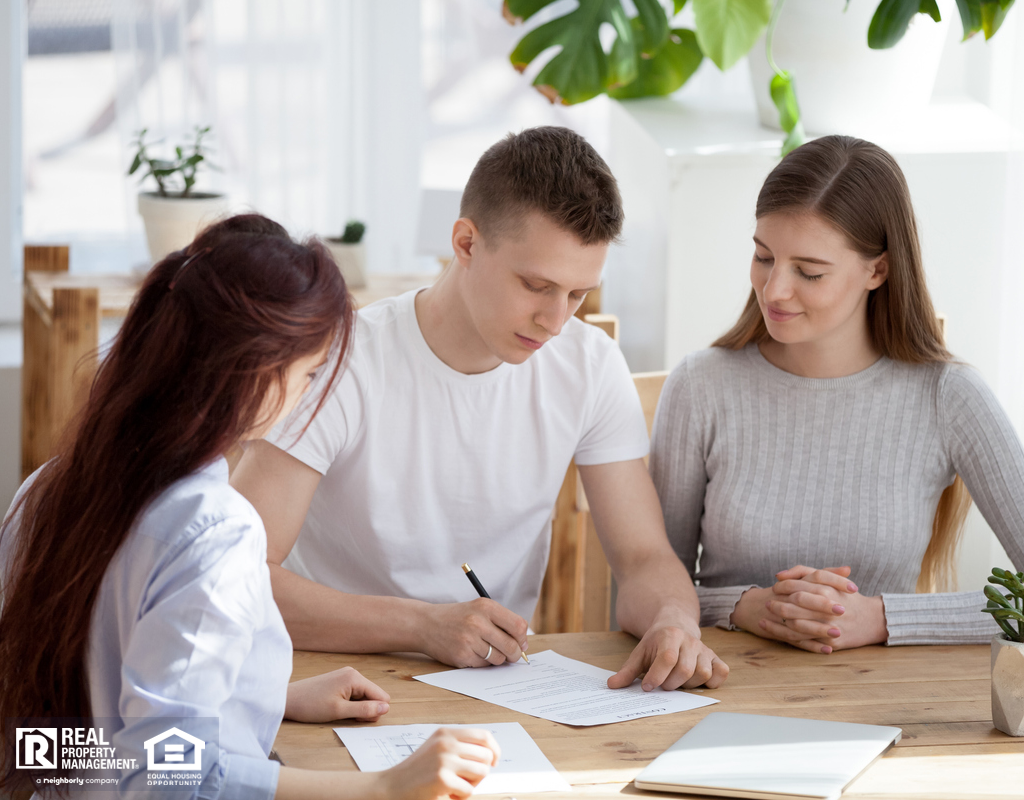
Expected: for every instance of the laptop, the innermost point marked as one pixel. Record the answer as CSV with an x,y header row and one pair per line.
x,y
767,758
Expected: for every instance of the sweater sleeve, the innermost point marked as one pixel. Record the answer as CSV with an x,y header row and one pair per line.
x,y
984,450
678,441
677,464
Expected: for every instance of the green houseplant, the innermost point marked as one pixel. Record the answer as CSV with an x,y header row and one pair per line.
x,y
349,253
1007,650
175,212
648,57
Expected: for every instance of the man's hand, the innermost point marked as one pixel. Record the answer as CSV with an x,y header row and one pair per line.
x,y
342,694
670,657
474,634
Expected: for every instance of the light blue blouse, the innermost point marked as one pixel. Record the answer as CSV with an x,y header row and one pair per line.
x,y
186,626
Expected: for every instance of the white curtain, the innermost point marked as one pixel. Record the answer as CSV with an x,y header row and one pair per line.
x,y
316,106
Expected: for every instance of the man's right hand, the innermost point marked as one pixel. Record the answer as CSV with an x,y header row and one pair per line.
x,y
461,634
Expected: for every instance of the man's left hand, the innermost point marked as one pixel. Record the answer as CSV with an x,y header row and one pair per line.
x,y
670,657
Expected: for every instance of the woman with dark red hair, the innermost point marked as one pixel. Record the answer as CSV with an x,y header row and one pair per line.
x,y
135,590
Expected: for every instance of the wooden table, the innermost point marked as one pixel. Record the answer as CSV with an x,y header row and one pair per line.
x,y
939,696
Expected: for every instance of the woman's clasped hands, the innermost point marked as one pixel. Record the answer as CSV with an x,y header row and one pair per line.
x,y
818,610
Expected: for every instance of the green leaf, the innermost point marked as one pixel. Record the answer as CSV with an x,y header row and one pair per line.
x,y
677,6
1005,613
995,596
970,16
992,15
582,69
669,69
651,24
890,22
931,8
521,10
136,163
727,29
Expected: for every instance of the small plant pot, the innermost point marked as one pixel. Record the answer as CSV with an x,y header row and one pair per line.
x,y
1008,685
173,222
351,260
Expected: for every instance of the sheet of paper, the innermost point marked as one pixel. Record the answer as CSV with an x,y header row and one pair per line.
x,y
523,768
562,690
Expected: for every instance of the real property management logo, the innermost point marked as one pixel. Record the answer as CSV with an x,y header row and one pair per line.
x,y
36,748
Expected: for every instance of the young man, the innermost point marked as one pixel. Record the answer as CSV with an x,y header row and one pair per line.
x,y
449,434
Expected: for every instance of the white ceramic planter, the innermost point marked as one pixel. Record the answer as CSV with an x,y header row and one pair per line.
x,y
1008,685
842,85
172,222
351,260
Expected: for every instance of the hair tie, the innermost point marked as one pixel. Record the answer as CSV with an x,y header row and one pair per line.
x,y
187,261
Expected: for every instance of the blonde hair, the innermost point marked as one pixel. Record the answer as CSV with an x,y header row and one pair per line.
x,y
859,188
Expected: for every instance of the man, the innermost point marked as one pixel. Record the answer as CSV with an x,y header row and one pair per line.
x,y
449,434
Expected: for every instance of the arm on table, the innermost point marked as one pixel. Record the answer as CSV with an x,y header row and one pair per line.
x,y
281,489
656,599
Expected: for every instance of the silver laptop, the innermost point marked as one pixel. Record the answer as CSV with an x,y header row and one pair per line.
x,y
754,756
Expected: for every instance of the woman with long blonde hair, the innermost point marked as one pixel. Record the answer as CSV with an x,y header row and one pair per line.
x,y
821,451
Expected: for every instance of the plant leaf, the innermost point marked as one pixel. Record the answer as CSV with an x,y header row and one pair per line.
x,y
727,29
993,13
521,10
582,69
970,16
677,6
931,8
890,22
669,69
136,163
995,596
651,25
783,95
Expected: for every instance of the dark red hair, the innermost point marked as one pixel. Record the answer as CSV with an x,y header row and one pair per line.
x,y
212,330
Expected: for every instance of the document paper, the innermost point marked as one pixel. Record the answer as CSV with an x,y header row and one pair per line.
x,y
523,768
562,690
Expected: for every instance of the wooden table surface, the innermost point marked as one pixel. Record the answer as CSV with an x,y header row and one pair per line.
x,y
939,696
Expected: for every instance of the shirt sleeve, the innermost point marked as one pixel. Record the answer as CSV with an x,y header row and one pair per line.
x,y
984,450
318,440
616,429
197,621
678,466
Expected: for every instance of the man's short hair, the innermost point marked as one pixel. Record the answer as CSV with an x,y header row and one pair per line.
x,y
550,170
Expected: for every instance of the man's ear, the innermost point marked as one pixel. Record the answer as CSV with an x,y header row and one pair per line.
x,y
880,271
465,240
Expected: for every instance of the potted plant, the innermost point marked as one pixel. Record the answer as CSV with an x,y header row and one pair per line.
x,y
349,253
1007,650
174,213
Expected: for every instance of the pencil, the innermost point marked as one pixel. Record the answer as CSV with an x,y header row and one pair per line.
x,y
480,590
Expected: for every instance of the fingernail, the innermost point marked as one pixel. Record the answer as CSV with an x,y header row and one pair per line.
x,y
647,687
838,609
762,623
835,633
524,646
826,649
851,587
382,708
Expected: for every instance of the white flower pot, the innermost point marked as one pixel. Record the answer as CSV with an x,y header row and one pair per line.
x,y
1008,685
173,222
842,85
351,260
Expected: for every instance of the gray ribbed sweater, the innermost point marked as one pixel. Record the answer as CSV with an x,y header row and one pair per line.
x,y
766,470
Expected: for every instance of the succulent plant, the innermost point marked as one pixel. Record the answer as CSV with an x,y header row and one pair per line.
x,y
354,231
1009,608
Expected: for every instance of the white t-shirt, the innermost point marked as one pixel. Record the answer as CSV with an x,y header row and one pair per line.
x,y
426,468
